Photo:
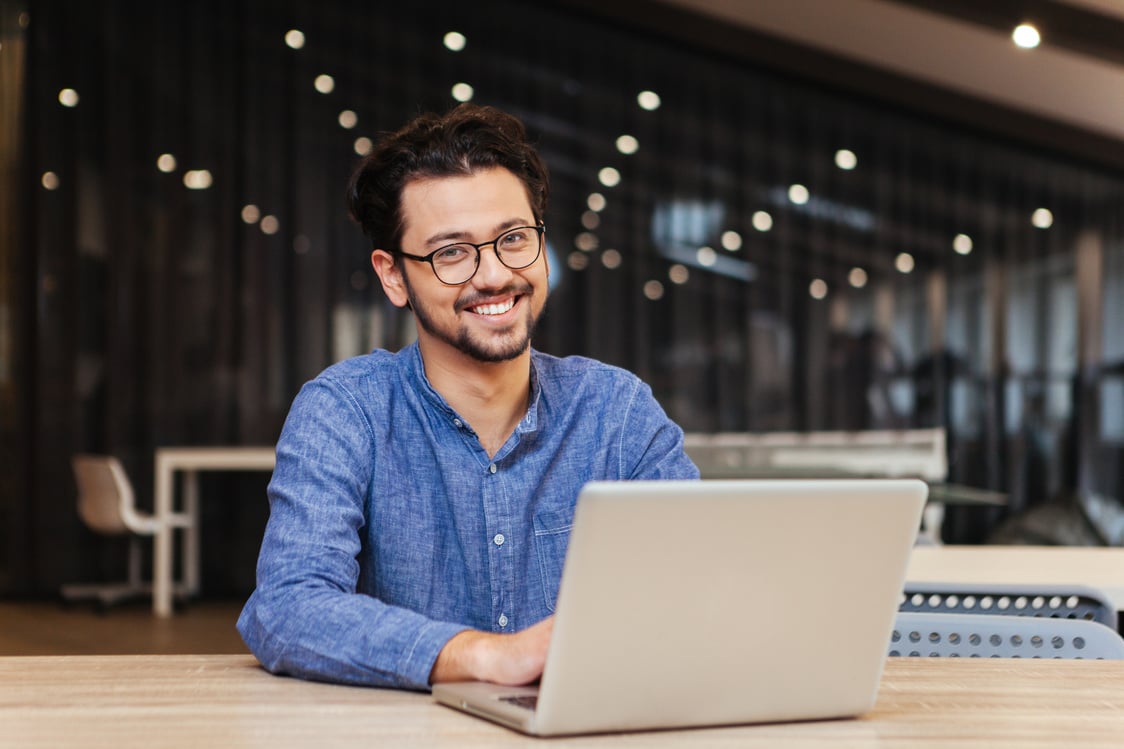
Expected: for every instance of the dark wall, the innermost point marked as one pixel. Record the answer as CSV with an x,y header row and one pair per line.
x,y
141,313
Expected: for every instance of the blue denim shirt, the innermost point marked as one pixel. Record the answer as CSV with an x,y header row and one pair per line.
x,y
382,489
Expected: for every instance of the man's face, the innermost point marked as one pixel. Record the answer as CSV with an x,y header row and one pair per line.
x,y
491,317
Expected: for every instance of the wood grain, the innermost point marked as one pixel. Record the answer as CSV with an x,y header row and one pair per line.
x,y
229,701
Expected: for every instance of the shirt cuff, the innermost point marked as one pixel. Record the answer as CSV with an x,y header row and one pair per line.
x,y
417,663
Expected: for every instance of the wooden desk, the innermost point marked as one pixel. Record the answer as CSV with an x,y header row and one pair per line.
x,y
193,701
1096,566
190,460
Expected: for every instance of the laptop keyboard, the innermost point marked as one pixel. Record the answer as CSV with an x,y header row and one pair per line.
x,y
528,701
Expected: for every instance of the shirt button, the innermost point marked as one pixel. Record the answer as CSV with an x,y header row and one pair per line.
x,y
503,620
457,423
498,539
492,468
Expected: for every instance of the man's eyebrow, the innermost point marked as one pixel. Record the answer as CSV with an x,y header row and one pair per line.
x,y
447,237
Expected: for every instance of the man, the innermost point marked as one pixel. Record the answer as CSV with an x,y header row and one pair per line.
x,y
421,502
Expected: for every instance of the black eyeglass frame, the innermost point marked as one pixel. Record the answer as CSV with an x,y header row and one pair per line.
x,y
539,229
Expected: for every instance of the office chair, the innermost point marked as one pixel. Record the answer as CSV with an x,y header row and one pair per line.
x,y
107,506
1049,601
991,636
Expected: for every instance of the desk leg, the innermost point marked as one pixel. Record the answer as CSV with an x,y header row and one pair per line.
x,y
191,532
162,544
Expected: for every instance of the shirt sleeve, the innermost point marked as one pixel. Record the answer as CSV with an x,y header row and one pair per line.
x,y
305,617
651,444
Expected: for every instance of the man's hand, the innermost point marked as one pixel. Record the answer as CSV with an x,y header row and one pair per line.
x,y
503,659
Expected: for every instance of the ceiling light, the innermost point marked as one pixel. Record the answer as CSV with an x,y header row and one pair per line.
x,y
68,97
611,259
628,145
1042,218
294,38
463,92
857,278
197,179
846,159
962,243
904,262
455,41
818,288
609,177
798,194
1026,36
648,100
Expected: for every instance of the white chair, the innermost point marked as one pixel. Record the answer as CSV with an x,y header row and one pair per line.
x,y
107,506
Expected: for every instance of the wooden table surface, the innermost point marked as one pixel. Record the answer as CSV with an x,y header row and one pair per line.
x,y
229,701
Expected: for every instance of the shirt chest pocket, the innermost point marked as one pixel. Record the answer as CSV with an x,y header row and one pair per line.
x,y
552,536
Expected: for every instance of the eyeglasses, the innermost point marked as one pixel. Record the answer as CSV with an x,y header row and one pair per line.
x,y
455,264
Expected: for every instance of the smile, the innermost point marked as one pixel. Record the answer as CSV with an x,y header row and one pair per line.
x,y
493,309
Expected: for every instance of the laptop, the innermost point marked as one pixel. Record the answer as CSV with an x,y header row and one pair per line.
x,y
703,603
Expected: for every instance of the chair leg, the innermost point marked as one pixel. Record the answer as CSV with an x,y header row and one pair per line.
x,y
108,594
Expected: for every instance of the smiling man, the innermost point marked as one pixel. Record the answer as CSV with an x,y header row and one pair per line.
x,y
421,503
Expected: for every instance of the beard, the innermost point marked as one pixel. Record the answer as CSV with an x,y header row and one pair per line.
x,y
492,348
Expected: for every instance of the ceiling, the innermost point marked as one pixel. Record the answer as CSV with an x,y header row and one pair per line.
x,y
1081,90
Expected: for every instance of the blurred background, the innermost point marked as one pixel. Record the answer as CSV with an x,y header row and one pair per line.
x,y
798,216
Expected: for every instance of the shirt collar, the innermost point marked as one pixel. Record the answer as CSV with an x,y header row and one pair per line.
x,y
529,422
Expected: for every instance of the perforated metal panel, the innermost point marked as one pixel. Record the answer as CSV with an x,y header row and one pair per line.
x,y
991,636
1054,602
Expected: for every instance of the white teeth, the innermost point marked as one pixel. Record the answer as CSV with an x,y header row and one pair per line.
x,y
494,309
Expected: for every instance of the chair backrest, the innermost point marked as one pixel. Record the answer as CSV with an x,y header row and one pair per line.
x,y
105,497
1050,601
991,636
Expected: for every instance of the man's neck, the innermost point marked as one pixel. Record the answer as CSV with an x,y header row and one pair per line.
x,y
492,396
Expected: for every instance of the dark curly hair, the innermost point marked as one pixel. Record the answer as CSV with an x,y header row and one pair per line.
x,y
468,138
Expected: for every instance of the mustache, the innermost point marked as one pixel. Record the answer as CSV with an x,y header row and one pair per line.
x,y
474,298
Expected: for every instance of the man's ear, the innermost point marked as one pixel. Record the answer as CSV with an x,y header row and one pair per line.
x,y
389,272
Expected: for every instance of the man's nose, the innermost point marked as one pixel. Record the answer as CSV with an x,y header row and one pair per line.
x,y
491,271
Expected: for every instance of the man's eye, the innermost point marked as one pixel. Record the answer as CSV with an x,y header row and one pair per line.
x,y
451,254
517,237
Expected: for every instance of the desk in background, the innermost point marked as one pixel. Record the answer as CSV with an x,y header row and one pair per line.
x,y
193,701
1098,567
903,453
189,461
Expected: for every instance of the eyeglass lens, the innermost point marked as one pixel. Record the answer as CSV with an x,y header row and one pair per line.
x,y
516,249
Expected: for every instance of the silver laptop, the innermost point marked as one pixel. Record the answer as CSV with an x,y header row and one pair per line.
x,y
699,603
